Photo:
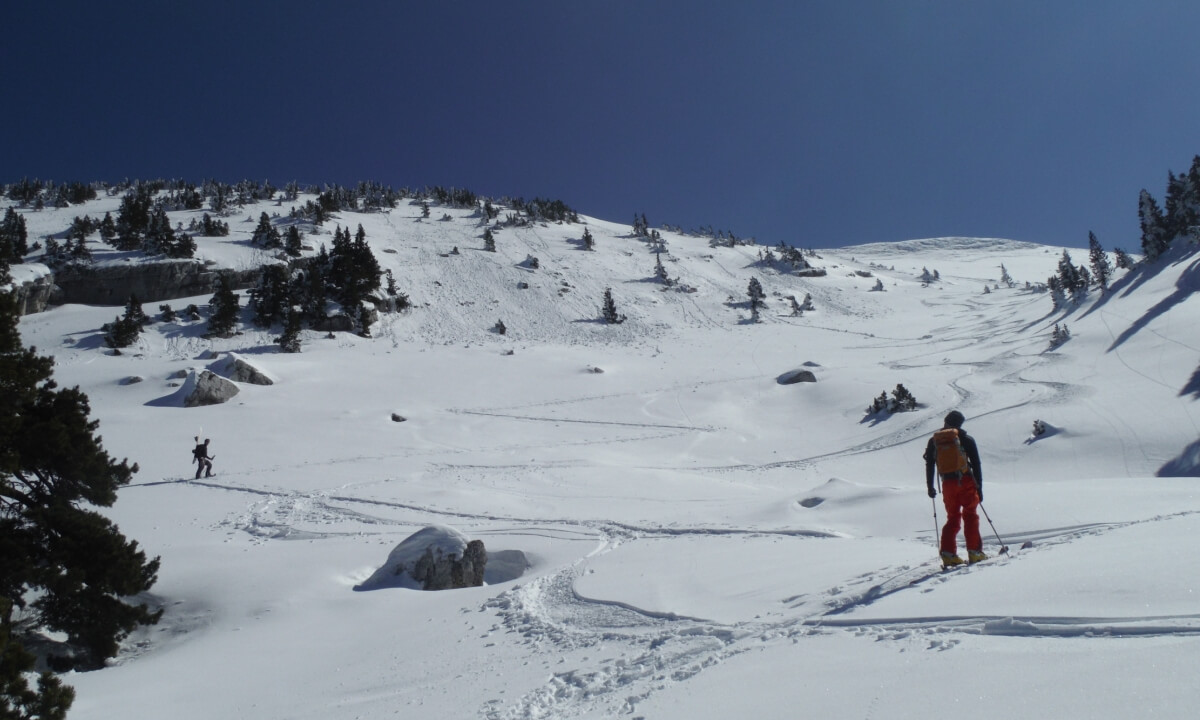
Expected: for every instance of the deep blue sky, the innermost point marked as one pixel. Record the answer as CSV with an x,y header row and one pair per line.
x,y
815,123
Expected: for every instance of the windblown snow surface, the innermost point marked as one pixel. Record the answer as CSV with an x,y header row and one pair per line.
x,y
699,540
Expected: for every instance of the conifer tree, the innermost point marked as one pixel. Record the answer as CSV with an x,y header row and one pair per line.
x,y
589,242
1123,261
660,272
1005,277
353,270
292,244
265,234
902,400
489,240
270,298
609,311
14,237
289,341
108,229
66,568
1098,259
1154,231
223,310
757,296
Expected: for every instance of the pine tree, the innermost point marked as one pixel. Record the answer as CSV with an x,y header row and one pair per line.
x,y
108,229
902,400
289,341
270,298
489,240
589,242
1101,267
1005,277
660,272
353,270
66,568
1123,261
1058,297
757,296
265,234
223,310
1154,231
292,244
14,237
609,311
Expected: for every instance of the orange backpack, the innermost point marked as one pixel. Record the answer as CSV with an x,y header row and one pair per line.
x,y
950,457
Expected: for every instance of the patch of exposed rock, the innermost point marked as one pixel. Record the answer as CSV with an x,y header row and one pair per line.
x,y
207,388
434,558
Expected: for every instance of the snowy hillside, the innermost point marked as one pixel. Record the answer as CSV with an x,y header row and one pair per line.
x,y
703,540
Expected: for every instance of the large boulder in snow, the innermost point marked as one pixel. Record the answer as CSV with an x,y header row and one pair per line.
x,y
796,376
434,558
207,388
238,369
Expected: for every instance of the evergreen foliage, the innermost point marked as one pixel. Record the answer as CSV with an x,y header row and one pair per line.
x,y
14,237
66,568
757,295
660,272
353,272
1102,268
1154,230
1059,335
489,240
1005,277
289,341
589,242
223,310
609,310
210,227
266,235
292,244
1123,261
902,400
123,331
271,298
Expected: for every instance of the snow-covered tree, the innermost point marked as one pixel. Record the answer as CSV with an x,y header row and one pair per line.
x,y
1101,266
1154,232
609,309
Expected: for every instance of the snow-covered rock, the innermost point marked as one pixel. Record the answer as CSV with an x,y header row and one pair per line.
x,y
207,388
434,558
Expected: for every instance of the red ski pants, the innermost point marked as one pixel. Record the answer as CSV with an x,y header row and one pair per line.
x,y
961,500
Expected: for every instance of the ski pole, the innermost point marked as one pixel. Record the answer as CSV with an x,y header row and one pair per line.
x,y
937,543
1003,547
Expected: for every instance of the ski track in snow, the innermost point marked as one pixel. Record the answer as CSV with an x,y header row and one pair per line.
x,y
615,655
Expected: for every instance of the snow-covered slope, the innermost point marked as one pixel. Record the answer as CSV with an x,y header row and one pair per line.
x,y
704,541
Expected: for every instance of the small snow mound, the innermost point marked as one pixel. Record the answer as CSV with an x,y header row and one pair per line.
x,y
1010,626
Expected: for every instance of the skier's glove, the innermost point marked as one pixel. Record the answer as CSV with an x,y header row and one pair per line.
x,y
932,492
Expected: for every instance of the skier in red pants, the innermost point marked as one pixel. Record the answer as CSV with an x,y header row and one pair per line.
x,y
955,457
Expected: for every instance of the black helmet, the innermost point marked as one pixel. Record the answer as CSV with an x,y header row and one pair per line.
x,y
954,419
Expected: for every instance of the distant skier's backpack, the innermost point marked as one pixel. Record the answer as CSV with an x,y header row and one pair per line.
x,y
951,460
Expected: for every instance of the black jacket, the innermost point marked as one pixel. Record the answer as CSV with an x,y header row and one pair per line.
x,y
968,446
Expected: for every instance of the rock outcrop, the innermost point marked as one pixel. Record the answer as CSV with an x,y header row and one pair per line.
x,y
434,558
237,368
796,376
207,388
113,283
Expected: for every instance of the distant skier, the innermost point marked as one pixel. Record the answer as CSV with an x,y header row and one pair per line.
x,y
200,456
955,457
